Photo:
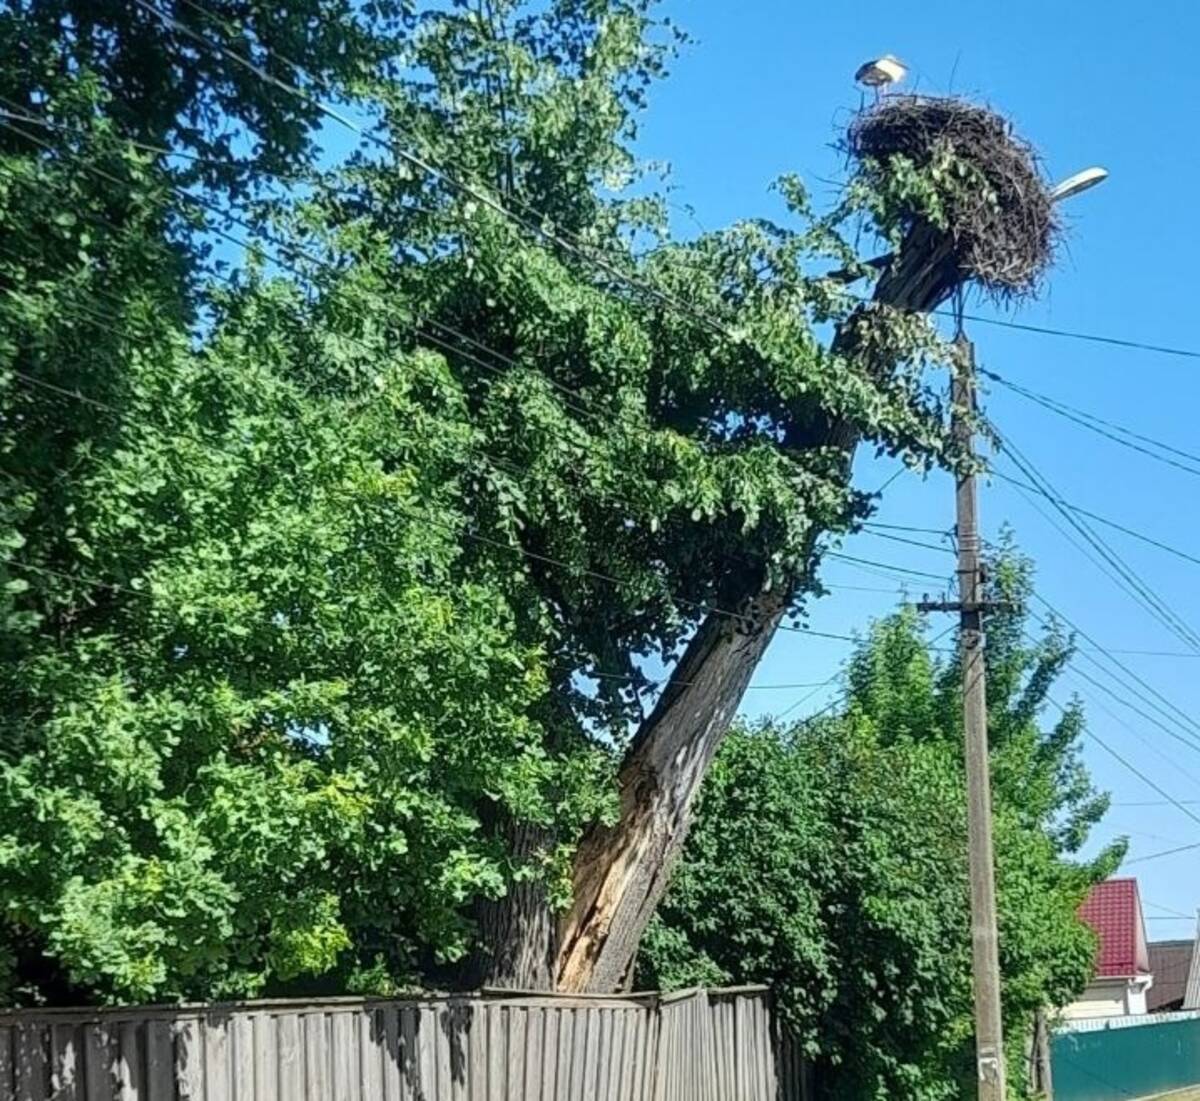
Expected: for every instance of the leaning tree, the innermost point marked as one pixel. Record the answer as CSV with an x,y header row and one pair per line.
x,y
613,452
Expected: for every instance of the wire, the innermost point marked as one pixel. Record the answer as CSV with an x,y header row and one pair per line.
x,y
1069,334
1100,426
944,532
942,548
317,260
844,697
413,323
1133,533
1150,600
1163,852
1166,708
1175,767
1131,767
883,565
707,609
1148,803
250,166
1170,910
1190,742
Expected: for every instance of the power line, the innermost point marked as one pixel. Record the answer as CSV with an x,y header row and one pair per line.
x,y
1190,742
1069,334
1131,767
940,547
1150,600
884,566
1170,711
539,227
1170,910
1147,802
1163,852
1107,429
944,532
297,91
250,166
1132,532
1154,748
107,407
316,260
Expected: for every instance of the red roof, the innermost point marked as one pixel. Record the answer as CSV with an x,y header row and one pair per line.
x,y
1114,910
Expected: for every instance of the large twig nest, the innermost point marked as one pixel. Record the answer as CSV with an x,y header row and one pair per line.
x,y
999,215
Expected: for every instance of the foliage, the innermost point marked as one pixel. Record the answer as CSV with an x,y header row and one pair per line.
x,y
829,859
264,740
316,570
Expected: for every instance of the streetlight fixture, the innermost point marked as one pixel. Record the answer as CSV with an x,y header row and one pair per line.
x,y
1081,181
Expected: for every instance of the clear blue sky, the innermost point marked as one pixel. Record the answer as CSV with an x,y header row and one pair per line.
x,y
767,88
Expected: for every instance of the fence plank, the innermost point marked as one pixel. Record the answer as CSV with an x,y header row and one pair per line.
x,y
548,1066
160,1061
264,1062
316,1056
371,1045
393,1054
30,1059
189,1059
241,1059
343,1047
131,1061
64,1060
427,1038
566,1051
216,1058
291,1059
448,1037
410,1077
99,1064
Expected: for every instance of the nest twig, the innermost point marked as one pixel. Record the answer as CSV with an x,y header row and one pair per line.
x,y
1004,228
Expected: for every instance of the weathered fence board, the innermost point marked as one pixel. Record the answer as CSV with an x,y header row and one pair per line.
x,y
692,1046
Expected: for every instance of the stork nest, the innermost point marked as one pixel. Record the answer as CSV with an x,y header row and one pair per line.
x,y
1002,224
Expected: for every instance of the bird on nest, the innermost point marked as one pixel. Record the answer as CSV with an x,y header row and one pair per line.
x,y
881,72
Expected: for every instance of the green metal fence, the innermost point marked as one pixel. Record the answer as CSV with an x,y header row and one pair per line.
x,y
1124,1060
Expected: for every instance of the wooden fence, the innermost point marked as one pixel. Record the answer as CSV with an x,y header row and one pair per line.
x,y
717,1045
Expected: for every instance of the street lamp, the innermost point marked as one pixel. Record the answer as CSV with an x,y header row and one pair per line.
x,y
1081,181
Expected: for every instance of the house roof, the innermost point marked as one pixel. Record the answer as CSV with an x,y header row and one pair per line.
x,y
1170,961
1114,910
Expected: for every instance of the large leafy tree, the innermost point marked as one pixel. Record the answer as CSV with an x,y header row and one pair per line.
x,y
829,859
334,590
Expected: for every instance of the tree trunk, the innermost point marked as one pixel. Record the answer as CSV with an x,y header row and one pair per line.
x,y
517,933
622,871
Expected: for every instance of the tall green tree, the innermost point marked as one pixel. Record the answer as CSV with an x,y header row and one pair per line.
x,y
829,859
381,539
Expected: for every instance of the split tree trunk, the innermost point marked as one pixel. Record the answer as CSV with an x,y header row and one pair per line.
x,y
622,871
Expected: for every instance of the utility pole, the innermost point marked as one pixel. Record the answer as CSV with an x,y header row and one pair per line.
x,y
985,956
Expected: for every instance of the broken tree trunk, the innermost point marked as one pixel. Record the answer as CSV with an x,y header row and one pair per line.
x,y
621,871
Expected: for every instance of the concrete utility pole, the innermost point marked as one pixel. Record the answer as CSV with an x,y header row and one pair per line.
x,y
985,956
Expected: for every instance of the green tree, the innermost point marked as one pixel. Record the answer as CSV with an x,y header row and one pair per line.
x,y
829,859
333,590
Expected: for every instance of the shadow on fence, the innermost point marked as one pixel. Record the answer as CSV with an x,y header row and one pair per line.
x,y
717,1045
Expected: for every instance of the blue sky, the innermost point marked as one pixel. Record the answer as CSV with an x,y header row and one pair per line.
x,y
768,87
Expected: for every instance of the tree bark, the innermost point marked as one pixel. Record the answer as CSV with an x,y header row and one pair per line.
x,y
517,933
622,871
